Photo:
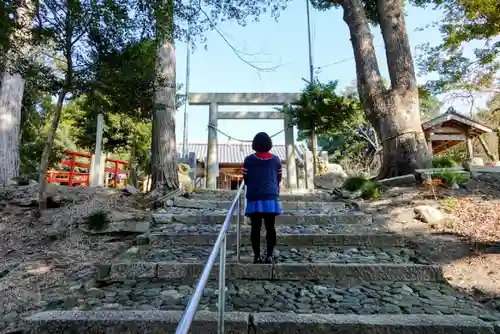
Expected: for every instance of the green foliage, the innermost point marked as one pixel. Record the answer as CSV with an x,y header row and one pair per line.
x,y
429,104
372,190
356,138
464,21
319,107
7,25
195,20
339,120
450,177
31,153
37,112
443,162
491,114
355,183
97,220
369,189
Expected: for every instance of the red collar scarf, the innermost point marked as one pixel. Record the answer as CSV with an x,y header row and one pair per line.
x,y
263,155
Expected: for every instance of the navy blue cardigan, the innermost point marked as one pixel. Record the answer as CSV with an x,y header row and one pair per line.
x,y
262,176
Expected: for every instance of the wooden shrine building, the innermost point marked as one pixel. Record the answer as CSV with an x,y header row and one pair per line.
x,y
450,129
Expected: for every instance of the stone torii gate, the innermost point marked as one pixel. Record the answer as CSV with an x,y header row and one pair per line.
x,y
213,100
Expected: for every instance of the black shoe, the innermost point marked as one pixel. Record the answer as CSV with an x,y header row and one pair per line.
x,y
257,260
269,260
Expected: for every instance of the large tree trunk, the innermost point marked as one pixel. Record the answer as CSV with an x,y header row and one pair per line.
x,y
164,168
404,143
394,113
11,95
11,98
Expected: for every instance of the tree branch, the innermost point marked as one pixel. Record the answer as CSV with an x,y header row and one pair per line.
x,y
238,53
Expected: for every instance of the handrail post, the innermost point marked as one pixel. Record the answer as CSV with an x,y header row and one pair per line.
x,y
222,285
219,249
238,229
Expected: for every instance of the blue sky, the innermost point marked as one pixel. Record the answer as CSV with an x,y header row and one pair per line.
x,y
281,43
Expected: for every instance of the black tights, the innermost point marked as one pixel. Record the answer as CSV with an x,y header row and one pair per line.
x,y
256,220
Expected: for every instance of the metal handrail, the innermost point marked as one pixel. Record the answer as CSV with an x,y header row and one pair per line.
x,y
220,245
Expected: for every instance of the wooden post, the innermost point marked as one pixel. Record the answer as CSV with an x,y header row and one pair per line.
x,y
429,142
470,147
95,168
115,171
71,170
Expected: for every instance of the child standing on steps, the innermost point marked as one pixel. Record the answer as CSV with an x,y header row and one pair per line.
x,y
262,176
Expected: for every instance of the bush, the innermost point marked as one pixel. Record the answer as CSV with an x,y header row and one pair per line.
x,y
97,221
30,155
450,177
369,189
355,183
443,162
372,190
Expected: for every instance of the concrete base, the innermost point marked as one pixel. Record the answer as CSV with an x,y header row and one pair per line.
x,y
156,322
375,240
341,218
344,273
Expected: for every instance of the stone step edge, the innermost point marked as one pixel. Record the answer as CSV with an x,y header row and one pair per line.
x,y
145,322
350,272
339,218
291,240
182,202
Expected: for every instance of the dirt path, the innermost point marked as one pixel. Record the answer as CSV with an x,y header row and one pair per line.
x,y
51,253
467,245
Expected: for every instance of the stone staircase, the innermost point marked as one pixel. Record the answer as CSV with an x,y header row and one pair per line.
x,y
337,271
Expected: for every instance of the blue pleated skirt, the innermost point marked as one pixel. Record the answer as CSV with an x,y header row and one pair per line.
x,y
267,206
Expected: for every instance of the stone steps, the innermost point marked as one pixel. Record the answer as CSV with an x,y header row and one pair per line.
x,y
297,218
336,272
165,239
161,322
339,272
295,195
304,255
285,205
201,228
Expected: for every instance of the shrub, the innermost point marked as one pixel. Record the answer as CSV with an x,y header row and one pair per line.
x,y
443,162
30,155
369,189
355,183
97,220
450,177
372,190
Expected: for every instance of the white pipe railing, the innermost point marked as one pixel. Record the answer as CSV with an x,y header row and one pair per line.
x,y
220,247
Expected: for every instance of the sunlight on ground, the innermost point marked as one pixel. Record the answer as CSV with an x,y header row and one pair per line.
x,y
38,269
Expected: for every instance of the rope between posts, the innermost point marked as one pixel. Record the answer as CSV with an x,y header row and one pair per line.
x,y
242,140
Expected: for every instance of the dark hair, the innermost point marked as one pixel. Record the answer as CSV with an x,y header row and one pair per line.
x,y
262,142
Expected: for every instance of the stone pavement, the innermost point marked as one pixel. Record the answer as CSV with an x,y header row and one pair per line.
x,y
336,271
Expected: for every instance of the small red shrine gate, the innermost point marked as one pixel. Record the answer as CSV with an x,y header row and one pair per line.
x,y
76,178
